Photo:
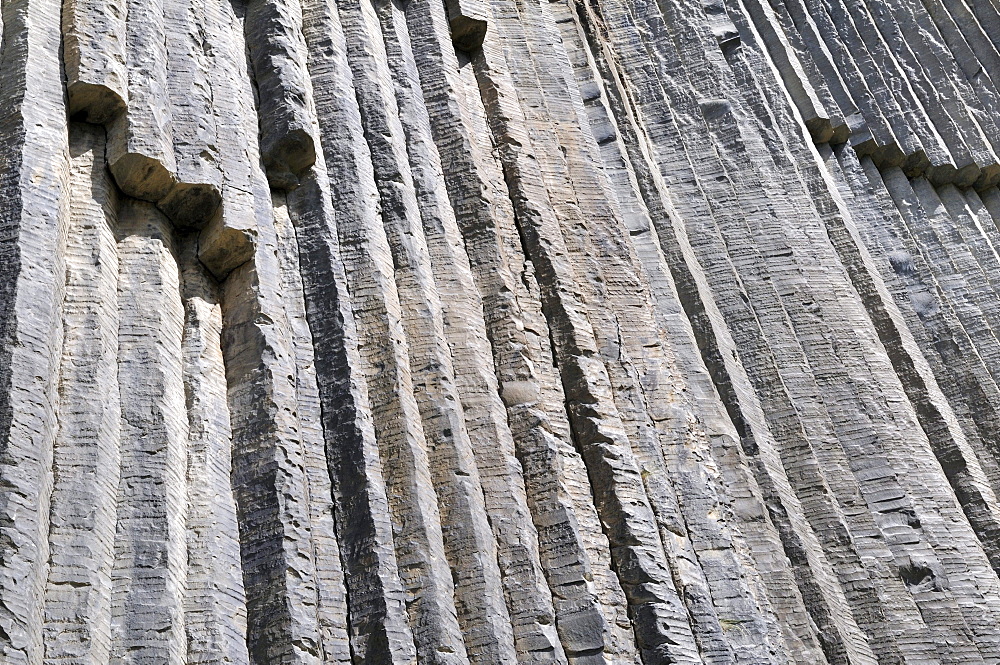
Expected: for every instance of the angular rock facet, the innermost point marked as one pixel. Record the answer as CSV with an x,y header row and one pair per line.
x,y
591,332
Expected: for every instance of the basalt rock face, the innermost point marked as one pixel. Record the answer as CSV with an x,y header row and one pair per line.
x,y
499,331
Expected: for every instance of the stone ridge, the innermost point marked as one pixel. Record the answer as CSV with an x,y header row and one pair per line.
x,y
468,332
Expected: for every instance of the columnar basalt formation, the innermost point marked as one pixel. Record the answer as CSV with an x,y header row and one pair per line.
x,y
462,332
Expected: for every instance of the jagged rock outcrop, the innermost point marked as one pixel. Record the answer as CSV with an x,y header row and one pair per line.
x,y
461,332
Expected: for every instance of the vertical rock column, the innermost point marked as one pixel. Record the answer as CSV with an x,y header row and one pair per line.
x,y
654,147
681,479
33,219
214,601
737,495
588,602
659,618
295,610
140,140
378,624
87,459
378,619
151,555
610,290
528,596
278,54
927,546
386,243
468,538
358,239
195,198
94,58
574,546
268,467
288,147
330,592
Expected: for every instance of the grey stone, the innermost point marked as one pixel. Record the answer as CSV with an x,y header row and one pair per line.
x,y
590,332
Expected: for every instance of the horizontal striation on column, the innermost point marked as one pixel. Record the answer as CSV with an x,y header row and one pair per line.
x,y
278,55
955,443
87,452
151,557
659,618
690,202
342,196
268,471
140,140
587,595
405,438
331,596
215,615
34,215
435,68
94,58
376,611
425,263
194,200
229,238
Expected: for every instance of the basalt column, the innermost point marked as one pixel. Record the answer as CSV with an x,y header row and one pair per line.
x,y
486,332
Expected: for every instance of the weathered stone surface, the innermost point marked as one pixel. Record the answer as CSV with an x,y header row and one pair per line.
x,y
215,602
229,238
469,21
377,612
278,54
193,201
94,58
591,332
140,140
149,577
34,216
87,466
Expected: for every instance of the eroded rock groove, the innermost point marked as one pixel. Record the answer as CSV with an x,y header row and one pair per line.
x,y
462,332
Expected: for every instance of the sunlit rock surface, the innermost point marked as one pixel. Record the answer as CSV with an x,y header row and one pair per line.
x,y
499,331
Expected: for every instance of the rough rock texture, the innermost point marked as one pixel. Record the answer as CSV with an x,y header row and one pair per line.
x,y
460,332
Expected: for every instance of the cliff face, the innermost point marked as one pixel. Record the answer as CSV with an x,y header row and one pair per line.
x,y
499,331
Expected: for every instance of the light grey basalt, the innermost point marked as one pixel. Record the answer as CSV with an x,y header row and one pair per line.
x,y
475,332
